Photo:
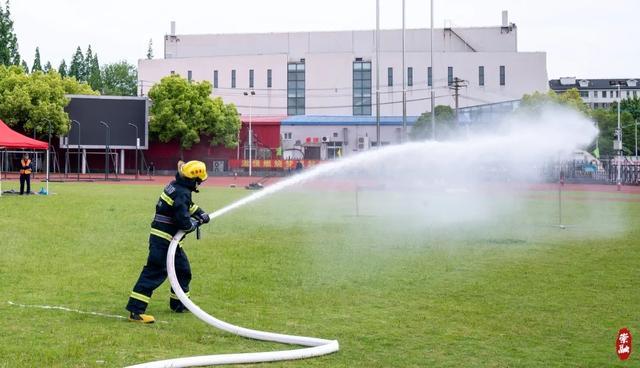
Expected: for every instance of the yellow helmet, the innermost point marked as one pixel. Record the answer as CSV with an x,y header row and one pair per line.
x,y
193,170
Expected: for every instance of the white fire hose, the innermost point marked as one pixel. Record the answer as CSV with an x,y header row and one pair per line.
x,y
317,347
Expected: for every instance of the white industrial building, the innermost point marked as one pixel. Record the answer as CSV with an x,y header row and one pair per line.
x,y
598,93
334,73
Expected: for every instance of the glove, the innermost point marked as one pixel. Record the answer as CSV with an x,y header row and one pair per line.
x,y
194,225
203,218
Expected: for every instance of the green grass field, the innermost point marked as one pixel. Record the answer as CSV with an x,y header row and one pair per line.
x,y
395,290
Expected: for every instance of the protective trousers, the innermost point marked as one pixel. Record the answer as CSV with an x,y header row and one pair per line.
x,y
155,272
25,178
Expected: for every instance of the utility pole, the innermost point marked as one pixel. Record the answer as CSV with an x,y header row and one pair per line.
x,y
378,74
619,139
404,80
456,86
433,99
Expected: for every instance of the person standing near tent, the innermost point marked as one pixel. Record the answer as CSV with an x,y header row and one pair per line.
x,y
25,174
175,211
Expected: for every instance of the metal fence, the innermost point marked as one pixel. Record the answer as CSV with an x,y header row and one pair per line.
x,y
604,171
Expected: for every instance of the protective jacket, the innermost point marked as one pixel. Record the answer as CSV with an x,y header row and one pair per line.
x,y
25,167
175,209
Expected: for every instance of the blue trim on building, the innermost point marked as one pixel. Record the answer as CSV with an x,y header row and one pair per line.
x,y
315,120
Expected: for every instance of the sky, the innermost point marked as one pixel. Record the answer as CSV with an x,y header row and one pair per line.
x,y
582,38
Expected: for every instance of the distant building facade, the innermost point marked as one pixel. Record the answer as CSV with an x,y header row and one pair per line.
x,y
598,93
334,73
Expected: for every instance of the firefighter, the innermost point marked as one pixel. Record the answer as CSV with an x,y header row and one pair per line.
x,y
174,211
25,174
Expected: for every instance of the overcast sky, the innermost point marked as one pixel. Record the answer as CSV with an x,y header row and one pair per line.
x,y
583,38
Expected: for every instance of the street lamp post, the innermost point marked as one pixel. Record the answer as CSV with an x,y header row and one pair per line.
x,y
250,94
619,139
106,150
137,145
77,122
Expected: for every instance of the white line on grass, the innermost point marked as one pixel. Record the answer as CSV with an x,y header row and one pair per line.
x,y
69,310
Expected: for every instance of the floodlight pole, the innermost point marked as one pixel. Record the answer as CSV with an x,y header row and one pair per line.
x,y
377,74
250,94
404,82
137,145
77,122
619,139
106,150
48,148
433,99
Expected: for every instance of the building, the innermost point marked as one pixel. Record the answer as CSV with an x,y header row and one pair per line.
x,y
334,73
328,136
598,93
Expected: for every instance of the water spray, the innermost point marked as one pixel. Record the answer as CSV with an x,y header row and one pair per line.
x,y
516,145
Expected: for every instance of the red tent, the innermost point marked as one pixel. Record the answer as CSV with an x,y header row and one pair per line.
x,y
13,139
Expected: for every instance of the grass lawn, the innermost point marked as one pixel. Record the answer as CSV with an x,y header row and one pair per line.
x,y
395,289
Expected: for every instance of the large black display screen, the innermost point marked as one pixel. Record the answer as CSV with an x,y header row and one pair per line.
x,y
117,112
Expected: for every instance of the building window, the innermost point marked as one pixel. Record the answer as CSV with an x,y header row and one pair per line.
x,y
215,79
604,94
595,94
295,88
288,135
189,76
584,94
502,75
361,88
635,93
410,76
269,78
596,105
233,78
429,77
617,94
450,75
481,75
250,78
389,77
173,72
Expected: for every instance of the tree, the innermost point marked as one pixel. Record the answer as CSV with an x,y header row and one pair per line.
x,y
36,66
76,69
86,63
24,66
62,69
94,74
9,54
150,50
444,123
630,105
120,79
607,122
186,111
534,103
48,67
30,101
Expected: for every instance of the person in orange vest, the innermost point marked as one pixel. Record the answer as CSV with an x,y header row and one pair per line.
x,y
25,174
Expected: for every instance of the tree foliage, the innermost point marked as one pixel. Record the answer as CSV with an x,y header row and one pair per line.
x,y
186,111
37,65
30,101
62,69
607,121
630,105
535,102
150,50
94,73
445,124
76,68
120,79
47,67
9,54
